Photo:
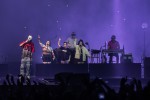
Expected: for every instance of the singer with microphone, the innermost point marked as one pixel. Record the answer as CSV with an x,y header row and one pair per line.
x,y
47,52
27,51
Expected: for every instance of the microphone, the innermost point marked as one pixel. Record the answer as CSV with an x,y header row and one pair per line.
x,y
27,41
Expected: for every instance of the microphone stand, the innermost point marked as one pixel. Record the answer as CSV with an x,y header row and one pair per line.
x,y
103,55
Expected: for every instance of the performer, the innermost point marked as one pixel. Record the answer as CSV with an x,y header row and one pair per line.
x,y
81,53
113,45
71,40
27,51
65,52
47,52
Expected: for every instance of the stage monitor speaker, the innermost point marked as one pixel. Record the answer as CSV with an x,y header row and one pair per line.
x,y
73,79
127,58
64,77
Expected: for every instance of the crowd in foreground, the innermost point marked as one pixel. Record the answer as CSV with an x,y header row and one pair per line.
x,y
97,89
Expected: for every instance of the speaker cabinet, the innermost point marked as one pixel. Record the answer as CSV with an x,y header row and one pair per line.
x,y
127,58
147,67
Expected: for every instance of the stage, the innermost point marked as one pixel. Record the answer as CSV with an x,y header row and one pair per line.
x,y
94,70
48,73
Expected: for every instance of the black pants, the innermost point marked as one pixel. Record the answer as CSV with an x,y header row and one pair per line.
x,y
47,58
111,56
72,59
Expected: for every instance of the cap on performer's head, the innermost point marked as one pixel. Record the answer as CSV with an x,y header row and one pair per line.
x,y
73,34
29,37
113,37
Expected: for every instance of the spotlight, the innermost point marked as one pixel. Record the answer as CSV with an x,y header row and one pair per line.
x,y
144,25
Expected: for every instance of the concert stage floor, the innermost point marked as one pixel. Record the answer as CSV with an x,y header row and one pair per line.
x,y
110,73
94,70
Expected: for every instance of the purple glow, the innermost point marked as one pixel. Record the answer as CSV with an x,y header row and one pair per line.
x,y
93,20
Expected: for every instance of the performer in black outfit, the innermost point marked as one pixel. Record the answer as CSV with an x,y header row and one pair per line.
x,y
65,53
